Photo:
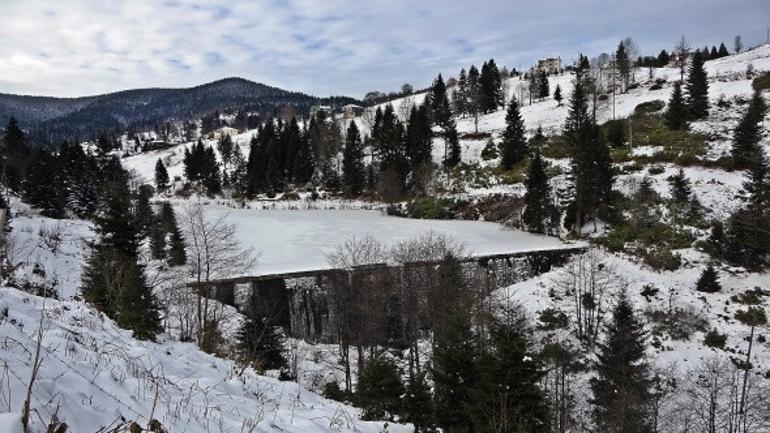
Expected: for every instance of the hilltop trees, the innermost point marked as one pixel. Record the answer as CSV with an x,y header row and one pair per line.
x,y
441,116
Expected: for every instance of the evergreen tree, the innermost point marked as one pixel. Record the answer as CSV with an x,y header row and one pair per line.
x,y
454,370
161,176
379,389
441,111
44,185
113,280
304,162
757,186
723,50
507,397
158,240
663,58
624,65
82,178
714,53
225,147
513,147
709,280
353,171
177,255
539,207
418,405
452,143
681,190
697,88
460,94
210,176
621,387
473,95
419,137
17,153
543,88
491,96
746,150
591,162
557,96
261,344
676,114
143,215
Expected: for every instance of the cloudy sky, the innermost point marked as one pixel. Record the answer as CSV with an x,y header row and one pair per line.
x,y
71,48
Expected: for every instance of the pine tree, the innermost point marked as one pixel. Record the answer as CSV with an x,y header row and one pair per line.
x,y
454,370
158,240
513,147
508,397
709,280
714,53
161,176
177,255
441,112
460,94
143,214
473,95
418,405
757,186
557,96
543,88
261,344
676,114
681,191
113,280
43,186
746,150
304,164
211,176
452,143
624,65
82,179
419,138
353,171
490,87
697,88
723,50
379,390
538,203
621,387
591,162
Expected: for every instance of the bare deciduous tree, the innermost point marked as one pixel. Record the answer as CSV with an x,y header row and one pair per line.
x,y
588,280
214,253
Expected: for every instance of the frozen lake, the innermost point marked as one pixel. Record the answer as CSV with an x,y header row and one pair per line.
x,y
298,240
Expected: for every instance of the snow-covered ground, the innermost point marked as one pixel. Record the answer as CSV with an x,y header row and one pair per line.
x,y
93,374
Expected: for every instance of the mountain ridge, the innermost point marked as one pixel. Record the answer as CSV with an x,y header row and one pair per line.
x,y
52,119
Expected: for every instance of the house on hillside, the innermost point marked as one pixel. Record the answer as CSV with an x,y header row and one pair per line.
x,y
224,131
350,111
320,109
551,65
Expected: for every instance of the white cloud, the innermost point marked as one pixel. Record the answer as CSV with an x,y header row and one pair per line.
x,y
69,48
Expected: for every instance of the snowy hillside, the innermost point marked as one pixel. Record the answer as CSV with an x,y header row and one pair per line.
x,y
93,375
